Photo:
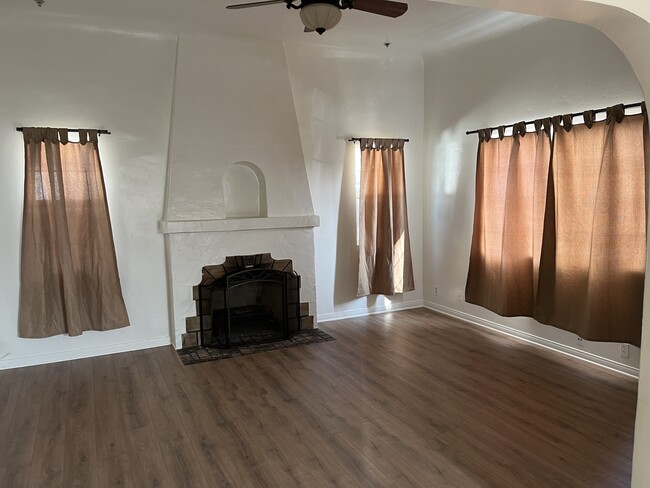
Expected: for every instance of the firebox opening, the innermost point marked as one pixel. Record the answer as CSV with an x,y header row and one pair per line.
x,y
249,300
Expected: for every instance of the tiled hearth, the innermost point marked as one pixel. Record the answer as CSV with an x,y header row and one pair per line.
x,y
193,324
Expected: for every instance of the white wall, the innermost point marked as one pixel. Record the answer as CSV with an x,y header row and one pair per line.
x,y
548,68
75,77
340,94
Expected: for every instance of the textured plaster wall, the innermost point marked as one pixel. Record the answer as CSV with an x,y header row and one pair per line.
x,y
78,77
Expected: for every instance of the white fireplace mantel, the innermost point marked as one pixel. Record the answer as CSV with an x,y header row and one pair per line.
x,y
192,244
229,225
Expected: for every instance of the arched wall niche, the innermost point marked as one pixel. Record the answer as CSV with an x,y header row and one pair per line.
x,y
244,191
627,24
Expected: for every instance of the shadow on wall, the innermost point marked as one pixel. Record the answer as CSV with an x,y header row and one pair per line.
x,y
347,262
463,211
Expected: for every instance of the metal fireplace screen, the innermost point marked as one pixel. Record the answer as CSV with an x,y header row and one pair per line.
x,y
249,300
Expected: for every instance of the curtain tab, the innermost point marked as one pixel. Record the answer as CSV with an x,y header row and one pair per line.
x,y
362,143
63,136
92,135
567,122
519,129
556,122
83,136
615,113
589,117
644,110
47,133
502,131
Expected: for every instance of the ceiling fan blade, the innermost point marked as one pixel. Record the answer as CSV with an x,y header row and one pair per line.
x,y
380,7
254,4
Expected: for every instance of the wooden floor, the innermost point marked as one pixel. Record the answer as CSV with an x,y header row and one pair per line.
x,y
402,399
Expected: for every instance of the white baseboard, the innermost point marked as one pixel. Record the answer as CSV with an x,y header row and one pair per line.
x,y
531,338
8,362
361,312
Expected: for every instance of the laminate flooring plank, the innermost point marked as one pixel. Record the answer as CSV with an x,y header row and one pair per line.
x,y
295,426
389,399
562,434
148,468
604,481
49,452
165,417
110,429
178,454
21,436
380,453
15,476
215,445
420,452
240,462
511,458
129,381
472,415
115,471
355,463
292,474
10,385
80,467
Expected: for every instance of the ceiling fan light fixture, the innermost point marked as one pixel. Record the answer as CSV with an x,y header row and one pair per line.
x,y
320,17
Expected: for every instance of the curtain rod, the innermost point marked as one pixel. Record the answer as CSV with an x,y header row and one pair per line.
x,y
576,114
99,131
352,139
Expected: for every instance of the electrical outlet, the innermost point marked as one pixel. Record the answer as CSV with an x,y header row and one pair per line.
x,y
580,342
625,350
436,291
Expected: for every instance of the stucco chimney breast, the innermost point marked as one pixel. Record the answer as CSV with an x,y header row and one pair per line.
x,y
236,181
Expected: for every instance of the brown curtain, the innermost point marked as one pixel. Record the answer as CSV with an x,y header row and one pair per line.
x,y
384,247
593,260
564,242
69,278
511,181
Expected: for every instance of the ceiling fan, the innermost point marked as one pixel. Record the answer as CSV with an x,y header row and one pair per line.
x,y
321,15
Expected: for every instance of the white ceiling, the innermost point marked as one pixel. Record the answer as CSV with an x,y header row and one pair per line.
x,y
426,26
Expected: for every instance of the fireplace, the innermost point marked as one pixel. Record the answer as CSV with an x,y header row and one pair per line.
x,y
247,300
